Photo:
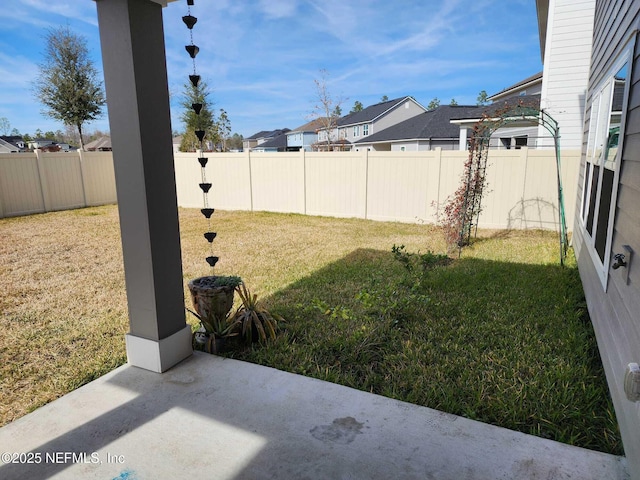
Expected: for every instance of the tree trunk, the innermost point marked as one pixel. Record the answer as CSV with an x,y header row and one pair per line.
x,y
80,134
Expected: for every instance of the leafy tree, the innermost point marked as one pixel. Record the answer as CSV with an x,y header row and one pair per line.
x,y
384,99
357,107
453,102
5,126
67,83
482,98
433,104
327,108
224,128
235,142
15,132
205,120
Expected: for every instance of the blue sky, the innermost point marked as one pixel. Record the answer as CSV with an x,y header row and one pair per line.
x,y
260,57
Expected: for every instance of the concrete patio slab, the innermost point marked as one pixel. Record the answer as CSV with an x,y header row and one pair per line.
x,y
216,418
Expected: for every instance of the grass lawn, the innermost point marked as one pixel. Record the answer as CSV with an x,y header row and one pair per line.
x,y
500,335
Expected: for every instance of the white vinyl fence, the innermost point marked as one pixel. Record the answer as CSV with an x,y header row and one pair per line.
x,y
393,186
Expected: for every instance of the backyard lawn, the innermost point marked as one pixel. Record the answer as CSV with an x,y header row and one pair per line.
x,y
500,335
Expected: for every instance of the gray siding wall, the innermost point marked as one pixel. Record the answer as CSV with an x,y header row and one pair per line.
x,y
615,313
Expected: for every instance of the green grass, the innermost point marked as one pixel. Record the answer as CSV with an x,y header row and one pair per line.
x,y
500,335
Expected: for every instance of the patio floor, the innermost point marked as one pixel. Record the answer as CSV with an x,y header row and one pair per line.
x,y
217,418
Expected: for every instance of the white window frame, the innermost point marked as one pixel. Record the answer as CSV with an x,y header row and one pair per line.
x,y
365,129
600,116
356,131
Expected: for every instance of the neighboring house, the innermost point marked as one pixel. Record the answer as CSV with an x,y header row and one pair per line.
x,y
519,136
303,137
370,120
12,144
277,143
248,144
102,144
608,219
513,135
529,86
39,143
425,131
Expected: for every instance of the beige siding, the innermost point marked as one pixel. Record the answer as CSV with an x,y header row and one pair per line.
x,y
615,312
403,112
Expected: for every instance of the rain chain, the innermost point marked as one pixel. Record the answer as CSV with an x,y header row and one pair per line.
x,y
193,50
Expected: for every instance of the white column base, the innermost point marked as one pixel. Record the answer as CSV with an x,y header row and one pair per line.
x,y
159,356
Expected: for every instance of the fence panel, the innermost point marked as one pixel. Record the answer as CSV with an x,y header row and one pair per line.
x,y
20,188
277,182
393,186
398,185
61,180
336,184
98,177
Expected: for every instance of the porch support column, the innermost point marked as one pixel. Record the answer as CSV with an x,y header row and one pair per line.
x,y
133,55
463,138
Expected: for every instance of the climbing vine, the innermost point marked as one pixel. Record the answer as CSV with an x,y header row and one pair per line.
x,y
461,211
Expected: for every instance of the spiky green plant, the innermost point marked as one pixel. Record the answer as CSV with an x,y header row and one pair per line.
x,y
253,319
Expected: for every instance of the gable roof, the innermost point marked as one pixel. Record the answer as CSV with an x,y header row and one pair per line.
x,y
260,134
279,141
312,126
491,110
12,141
432,124
99,144
268,134
533,79
373,112
8,146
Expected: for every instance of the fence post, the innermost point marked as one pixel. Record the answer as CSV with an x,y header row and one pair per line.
x,y
82,177
250,181
304,179
438,160
366,183
44,187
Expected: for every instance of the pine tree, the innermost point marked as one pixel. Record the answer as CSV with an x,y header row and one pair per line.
x,y
203,121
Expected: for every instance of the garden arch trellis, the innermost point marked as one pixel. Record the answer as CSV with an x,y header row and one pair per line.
x,y
475,168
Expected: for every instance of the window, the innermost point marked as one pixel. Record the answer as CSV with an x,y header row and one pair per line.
x,y
403,148
356,131
365,129
521,142
599,191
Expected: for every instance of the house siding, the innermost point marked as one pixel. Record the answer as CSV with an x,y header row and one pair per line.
x,y
566,68
397,115
402,111
614,310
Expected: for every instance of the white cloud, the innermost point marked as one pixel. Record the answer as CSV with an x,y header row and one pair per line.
x,y
278,8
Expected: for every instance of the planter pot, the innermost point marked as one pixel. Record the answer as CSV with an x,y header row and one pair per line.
x,y
209,299
207,342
